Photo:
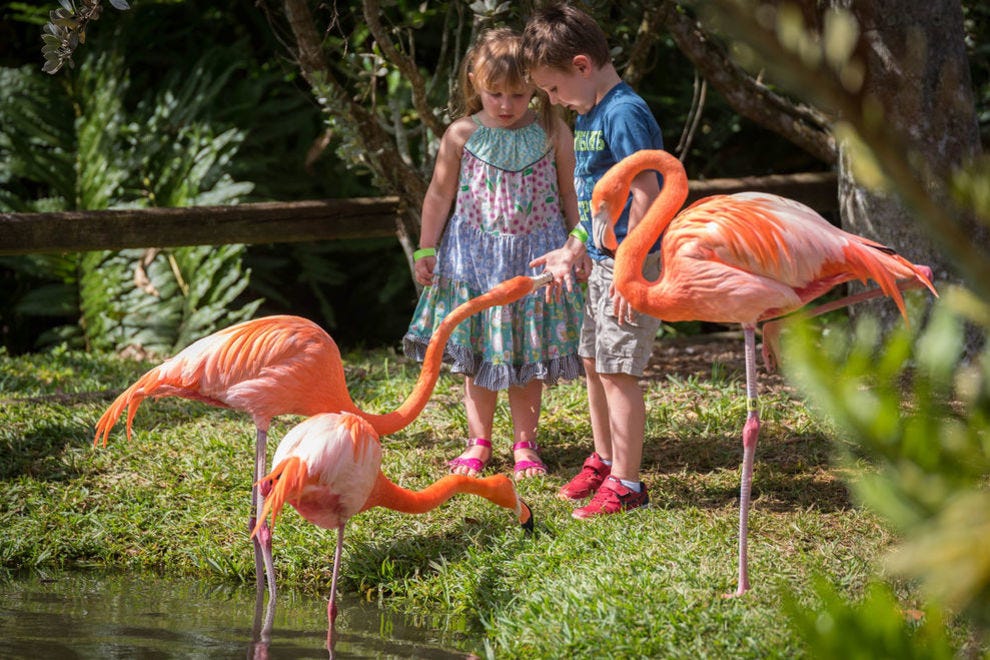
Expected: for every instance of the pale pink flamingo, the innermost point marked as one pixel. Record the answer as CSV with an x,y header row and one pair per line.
x,y
287,365
742,258
329,468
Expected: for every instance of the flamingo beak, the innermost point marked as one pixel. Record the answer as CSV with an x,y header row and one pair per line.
x,y
541,280
525,517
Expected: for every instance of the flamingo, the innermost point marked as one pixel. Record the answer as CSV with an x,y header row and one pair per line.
x,y
742,258
329,468
287,365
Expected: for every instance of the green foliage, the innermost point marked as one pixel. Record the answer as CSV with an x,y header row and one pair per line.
x,y
875,627
185,294
184,121
916,441
82,144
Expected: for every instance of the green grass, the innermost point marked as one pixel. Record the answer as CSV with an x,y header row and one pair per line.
x,y
647,584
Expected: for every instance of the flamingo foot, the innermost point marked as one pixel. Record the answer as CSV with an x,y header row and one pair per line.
x,y
264,535
740,591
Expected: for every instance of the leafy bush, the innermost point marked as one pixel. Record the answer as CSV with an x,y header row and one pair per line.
x,y
77,145
914,413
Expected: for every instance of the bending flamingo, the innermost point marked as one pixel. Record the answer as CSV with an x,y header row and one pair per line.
x,y
329,468
286,365
742,258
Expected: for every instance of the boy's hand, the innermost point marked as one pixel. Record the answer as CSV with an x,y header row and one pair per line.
x,y
582,269
623,311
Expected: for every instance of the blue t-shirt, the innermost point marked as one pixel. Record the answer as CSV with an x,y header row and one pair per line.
x,y
619,125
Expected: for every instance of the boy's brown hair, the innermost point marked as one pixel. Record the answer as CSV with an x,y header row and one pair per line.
x,y
557,33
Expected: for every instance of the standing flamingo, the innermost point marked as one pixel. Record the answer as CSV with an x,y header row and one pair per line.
x,y
287,365
742,258
329,468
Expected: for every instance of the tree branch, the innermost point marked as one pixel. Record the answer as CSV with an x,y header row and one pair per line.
x,y
800,124
406,65
379,151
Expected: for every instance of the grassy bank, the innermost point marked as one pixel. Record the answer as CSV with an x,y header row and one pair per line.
x,y
175,499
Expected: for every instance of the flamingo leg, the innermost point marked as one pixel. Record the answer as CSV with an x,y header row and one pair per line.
x,y
262,629
263,563
332,603
751,433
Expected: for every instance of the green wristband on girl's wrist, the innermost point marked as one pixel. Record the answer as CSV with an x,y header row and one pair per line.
x,y
579,233
424,252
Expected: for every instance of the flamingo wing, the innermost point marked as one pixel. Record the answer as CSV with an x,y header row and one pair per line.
x,y
751,256
266,367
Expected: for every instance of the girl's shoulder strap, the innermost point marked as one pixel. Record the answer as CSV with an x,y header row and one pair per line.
x,y
460,130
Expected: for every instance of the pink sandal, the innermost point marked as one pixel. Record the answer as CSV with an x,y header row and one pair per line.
x,y
522,466
475,464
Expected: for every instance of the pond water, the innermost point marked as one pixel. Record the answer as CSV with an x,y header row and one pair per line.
x,y
99,615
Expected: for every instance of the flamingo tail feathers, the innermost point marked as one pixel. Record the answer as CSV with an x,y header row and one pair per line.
x,y
156,384
886,268
285,481
129,399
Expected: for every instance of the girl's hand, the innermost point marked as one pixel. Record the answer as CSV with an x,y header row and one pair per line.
x,y
423,269
559,263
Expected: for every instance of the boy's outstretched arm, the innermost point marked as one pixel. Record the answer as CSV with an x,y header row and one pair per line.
x,y
561,264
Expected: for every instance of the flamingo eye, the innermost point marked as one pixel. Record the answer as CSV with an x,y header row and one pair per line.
x,y
266,486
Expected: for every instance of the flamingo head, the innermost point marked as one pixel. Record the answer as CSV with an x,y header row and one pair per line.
x,y
607,201
611,193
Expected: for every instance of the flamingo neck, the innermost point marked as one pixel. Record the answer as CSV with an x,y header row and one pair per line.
x,y
633,250
497,489
506,292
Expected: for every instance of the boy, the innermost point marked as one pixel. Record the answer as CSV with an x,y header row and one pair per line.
x,y
568,58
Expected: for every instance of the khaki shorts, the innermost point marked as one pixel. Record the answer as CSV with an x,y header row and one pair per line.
x,y
616,348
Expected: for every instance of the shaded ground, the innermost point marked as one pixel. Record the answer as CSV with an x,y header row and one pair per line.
x,y
701,356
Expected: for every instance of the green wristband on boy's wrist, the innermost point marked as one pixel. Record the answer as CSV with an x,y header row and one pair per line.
x,y
579,233
424,252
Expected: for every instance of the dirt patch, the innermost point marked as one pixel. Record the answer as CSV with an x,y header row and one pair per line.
x,y
706,357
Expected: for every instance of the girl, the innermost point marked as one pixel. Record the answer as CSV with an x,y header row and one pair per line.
x,y
509,174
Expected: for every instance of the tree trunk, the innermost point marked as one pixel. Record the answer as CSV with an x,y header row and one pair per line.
x,y
916,65
392,173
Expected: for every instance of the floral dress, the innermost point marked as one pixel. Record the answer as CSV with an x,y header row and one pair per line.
x,y
507,213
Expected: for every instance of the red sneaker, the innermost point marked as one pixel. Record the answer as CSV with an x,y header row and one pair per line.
x,y
587,481
612,497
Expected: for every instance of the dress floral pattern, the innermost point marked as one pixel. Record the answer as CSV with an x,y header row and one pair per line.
x,y
507,213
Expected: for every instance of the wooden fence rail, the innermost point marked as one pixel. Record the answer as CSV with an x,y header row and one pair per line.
x,y
287,222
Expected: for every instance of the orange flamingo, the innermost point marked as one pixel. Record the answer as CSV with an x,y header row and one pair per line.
x,y
286,365
329,468
742,258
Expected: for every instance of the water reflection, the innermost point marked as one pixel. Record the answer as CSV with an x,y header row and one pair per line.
x,y
96,615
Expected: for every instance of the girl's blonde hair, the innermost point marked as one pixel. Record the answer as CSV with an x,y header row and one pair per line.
x,y
495,61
